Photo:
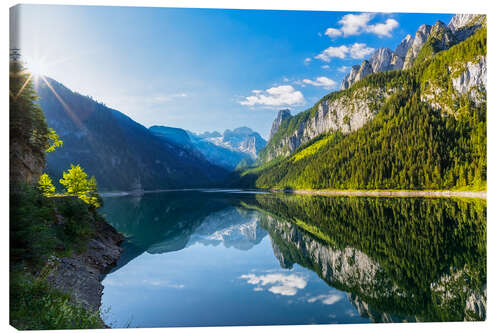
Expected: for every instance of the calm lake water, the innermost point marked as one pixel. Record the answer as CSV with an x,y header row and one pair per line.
x,y
211,258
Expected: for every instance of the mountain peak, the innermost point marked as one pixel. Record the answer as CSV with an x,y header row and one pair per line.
x,y
464,25
282,115
380,60
460,21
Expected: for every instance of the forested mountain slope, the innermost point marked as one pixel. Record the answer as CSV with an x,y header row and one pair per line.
x,y
116,149
420,128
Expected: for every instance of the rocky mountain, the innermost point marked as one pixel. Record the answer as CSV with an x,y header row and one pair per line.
x,y
176,136
350,111
418,41
115,149
460,27
230,149
282,115
241,139
464,25
381,60
402,49
357,73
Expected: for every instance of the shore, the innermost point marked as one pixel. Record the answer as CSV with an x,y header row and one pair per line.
x,y
80,275
371,193
388,193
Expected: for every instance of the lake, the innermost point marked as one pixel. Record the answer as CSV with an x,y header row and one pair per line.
x,y
213,257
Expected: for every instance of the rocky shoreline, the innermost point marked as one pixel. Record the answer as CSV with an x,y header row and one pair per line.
x,y
80,275
387,193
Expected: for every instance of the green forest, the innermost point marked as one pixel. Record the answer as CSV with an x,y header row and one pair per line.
x,y
407,145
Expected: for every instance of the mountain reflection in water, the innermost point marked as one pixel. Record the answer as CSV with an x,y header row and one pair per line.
x,y
391,259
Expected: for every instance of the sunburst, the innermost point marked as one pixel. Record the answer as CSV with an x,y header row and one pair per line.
x,y
36,68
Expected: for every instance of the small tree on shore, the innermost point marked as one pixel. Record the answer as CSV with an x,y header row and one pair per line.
x,y
75,180
45,185
92,196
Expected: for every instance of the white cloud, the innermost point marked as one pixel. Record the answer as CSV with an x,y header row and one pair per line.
x,y
360,50
143,282
355,24
356,51
383,29
279,96
325,67
278,283
307,61
327,299
332,32
321,81
333,52
343,69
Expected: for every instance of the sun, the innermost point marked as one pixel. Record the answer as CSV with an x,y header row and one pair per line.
x,y
36,66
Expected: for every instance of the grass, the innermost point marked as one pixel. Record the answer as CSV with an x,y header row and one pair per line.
x,y
41,227
35,305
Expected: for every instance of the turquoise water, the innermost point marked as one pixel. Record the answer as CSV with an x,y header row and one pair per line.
x,y
211,258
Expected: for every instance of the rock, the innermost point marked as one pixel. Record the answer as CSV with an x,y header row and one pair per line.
x,y
442,36
420,38
26,163
350,78
468,78
282,115
402,48
380,60
346,113
364,70
464,25
80,275
461,21
472,80
357,73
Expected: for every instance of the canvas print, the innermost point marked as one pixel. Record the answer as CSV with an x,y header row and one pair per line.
x,y
175,167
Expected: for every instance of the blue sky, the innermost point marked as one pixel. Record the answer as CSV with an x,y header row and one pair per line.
x,y
202,69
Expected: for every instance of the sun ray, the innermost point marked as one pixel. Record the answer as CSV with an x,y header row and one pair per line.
x,y
65,106
23,86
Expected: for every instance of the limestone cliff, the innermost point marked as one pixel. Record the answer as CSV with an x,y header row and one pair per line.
x,y
282,115
466,79
345,113
351,111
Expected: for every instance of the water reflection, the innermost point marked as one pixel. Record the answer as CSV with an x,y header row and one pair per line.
x,y
392,259
399,259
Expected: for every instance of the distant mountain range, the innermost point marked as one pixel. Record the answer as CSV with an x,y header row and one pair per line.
x,y
232,149
118,151
124,155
